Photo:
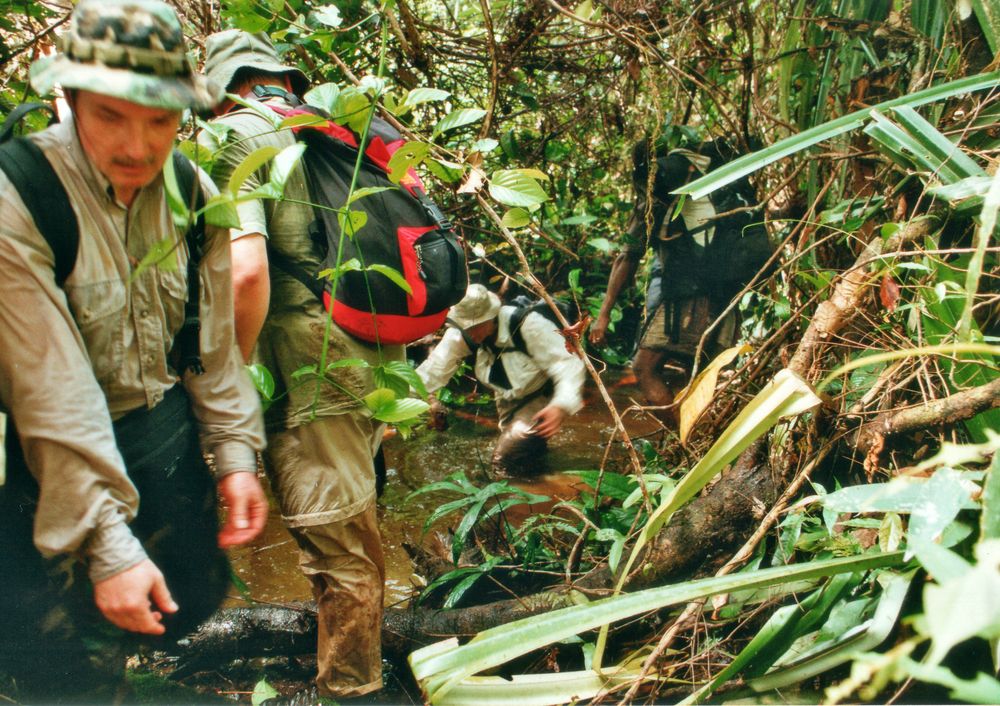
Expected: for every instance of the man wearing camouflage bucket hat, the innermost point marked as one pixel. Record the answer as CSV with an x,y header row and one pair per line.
x,y
320,448
89,377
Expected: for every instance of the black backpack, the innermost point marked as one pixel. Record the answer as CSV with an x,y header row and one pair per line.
x,y
405,235
46,199
740,247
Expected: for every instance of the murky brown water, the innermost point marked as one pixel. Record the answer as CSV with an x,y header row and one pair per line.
x,y
269,566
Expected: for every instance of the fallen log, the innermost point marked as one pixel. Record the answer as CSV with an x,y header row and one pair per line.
x,y
947,410
233,634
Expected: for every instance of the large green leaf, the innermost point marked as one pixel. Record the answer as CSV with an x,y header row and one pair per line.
x,y
964,607
442,666
419,96
990,520
251,163
458,118
757,160
517,187
843,645
988,14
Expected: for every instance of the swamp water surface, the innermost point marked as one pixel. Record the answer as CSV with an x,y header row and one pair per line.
x,y
269,567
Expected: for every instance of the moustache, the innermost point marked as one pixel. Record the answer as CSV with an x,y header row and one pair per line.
x,y
130,163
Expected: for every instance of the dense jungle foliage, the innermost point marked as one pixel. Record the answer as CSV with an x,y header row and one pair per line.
x,y
834,505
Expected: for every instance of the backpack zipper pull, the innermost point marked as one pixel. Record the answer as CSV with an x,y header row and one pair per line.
x,y
420,261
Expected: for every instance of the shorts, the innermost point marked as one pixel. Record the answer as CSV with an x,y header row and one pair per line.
x,y
676,327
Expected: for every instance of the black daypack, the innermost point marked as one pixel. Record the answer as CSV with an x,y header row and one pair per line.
x,y
739,248
404,234
46,199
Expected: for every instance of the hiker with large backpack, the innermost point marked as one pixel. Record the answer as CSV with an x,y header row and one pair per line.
x,y
522,358
322,441
705,251
112,397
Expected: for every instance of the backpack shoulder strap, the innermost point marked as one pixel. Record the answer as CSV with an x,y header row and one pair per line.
x,y
187,344
472,345
45,197
17,115
518,316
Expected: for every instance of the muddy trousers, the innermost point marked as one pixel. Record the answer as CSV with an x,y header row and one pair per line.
x,y
518,452
324,477
55,646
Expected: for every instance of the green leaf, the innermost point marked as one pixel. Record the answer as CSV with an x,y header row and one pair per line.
x,y
988,14
516,218
965,607
364,191
932,503
983,689
487,144
890,532
442,666
448,172
405,158
323,96
352,265
942,564
251,163
262,691
351,222
580,220
990,520
514,187
750,163
458,118
284,164
328,15
299,120
395,411
419,96
178,204
601,245
460,589
263,381
393,275
220,211
402,370
305,371
162,254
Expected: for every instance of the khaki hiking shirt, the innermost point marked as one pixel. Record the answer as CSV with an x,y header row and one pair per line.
x,y
546,359
74,359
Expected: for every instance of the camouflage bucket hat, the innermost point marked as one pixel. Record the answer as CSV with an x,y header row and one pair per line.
x,y
128,49
229,52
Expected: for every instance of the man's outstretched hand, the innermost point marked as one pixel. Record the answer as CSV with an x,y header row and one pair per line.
x,y
125,599
246,508
547,421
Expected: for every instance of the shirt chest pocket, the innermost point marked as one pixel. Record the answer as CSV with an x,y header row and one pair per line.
x,y
99,309
173,290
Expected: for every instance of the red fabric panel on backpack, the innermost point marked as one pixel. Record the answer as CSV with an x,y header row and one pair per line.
x,y
387,329
416,300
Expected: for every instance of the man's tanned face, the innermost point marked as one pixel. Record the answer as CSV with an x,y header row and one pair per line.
x,y
127,142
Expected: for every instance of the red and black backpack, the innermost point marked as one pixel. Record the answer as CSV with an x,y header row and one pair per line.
x,y
404,232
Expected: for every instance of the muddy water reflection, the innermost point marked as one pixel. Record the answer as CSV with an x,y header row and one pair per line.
x,y
269,567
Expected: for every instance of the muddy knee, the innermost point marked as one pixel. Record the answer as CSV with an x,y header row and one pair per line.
x,y
519,452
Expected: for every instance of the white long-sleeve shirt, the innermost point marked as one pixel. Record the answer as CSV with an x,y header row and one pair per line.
x,y
546,359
